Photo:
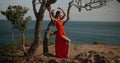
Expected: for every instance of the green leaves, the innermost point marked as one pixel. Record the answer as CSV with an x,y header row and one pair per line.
x,y
16,14
118,1
2,12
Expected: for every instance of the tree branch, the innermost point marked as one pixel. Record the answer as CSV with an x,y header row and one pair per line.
x,y
118,1
42,9
40,1
87,6
68,12
34,8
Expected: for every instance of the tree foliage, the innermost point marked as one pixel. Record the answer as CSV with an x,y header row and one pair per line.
x,y
15,14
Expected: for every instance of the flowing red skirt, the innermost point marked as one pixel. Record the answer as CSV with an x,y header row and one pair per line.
x,y
61,48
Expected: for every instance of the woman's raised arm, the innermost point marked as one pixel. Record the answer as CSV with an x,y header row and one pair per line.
x,y
50,15
64,14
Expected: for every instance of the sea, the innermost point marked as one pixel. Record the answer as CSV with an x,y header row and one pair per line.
x,y
80,32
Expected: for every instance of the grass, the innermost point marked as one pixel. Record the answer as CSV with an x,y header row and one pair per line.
x,y
28,42
12,53
51,43
102,43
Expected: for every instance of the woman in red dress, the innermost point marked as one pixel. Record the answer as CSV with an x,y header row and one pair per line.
x,y
61,42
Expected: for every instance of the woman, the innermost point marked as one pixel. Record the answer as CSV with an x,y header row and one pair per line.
x,y
61,42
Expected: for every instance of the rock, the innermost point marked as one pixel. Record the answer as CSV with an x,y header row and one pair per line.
x,y
53,61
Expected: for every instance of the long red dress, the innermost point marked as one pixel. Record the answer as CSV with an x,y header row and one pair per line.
x,y
61,49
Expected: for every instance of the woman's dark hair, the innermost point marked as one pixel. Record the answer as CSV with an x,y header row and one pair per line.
x,y
58,12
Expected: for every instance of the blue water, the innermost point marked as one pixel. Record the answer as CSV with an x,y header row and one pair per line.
x,y
79,32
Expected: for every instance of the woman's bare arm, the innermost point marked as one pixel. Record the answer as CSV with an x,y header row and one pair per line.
x,y
64,14
51,17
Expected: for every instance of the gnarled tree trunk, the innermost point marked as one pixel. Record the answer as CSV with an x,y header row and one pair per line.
x,y
23,42
39,19
47,34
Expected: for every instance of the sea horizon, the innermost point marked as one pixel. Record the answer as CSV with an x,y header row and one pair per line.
x,y
68,21
80,32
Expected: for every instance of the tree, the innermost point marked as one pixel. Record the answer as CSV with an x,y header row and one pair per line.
x,y
23,26
39,18
15,14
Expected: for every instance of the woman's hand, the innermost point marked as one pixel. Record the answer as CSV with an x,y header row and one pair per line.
x,y
59,8
50,15
52,10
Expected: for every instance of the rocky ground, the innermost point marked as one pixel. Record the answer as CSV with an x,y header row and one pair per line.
x,y
78,54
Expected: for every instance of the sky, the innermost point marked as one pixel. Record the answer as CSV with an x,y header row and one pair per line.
x,y
109,13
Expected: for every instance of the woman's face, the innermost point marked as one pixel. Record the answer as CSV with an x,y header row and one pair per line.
x,y
59,15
